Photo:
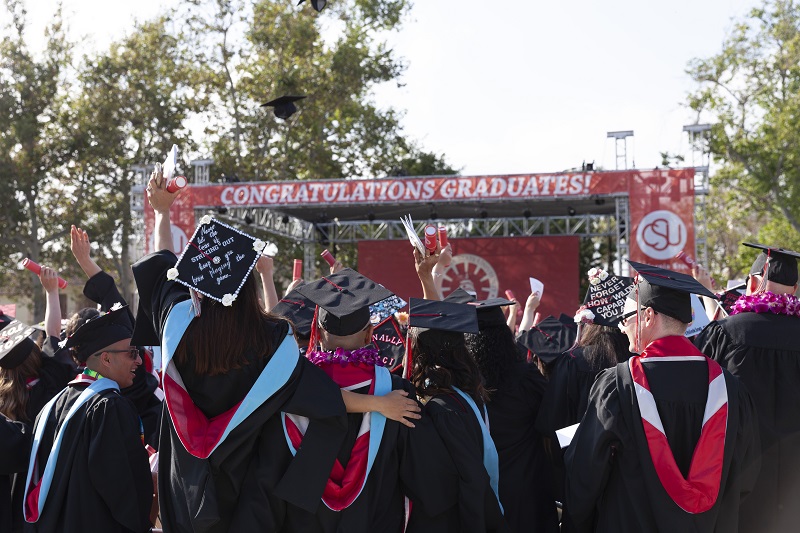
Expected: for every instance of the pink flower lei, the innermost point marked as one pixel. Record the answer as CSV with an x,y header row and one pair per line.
x,y
767,302
367,355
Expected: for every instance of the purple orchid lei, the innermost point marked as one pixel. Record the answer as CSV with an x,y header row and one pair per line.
x,y
367,355
767,302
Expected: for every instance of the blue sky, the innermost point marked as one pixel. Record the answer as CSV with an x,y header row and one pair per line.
x,y
520,87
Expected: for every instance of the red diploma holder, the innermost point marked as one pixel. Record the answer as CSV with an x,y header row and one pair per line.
x,y
510,295
177,183
297,273
430,238
36,269
442,236
328,257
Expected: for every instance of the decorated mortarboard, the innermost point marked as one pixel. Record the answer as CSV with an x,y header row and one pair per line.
x,y
490,311
388,337
666,291
344,299
100,332
605,298
442,315
297,308
549,338
284,106
460,296
217,260
384,309
779,264
728,298
15,344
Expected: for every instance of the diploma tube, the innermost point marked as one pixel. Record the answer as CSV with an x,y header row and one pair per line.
x,y
297,273
442,236
328,257
177,183
510,295
430,238
36,269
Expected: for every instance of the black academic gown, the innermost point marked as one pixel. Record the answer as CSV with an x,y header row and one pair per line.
x,y
15,448
102,480
475,507
102,290
526,478
410,462
244,484
763,351
612,484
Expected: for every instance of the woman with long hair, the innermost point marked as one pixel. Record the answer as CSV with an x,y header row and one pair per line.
x,y
449,383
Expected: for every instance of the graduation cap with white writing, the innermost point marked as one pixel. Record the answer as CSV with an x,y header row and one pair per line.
x,y
666,291
15,344
779,264
217,260
605,298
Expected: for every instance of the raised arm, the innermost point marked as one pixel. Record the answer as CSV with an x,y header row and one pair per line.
x,y
511,319
52,314
265,269
161,201
81,248
530,311
424,266
445,258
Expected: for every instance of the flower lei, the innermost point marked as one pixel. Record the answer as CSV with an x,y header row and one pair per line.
x,y
767,302
367,355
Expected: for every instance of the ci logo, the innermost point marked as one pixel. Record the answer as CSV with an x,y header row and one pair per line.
x,y
661,234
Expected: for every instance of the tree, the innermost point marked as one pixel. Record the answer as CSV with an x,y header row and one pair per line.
x,y
751,93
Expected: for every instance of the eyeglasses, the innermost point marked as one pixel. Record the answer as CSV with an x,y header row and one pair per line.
x,y
133,353
623,321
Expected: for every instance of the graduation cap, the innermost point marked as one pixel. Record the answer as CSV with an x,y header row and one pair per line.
x,y
443,315
780,264
100,332
666,291
5,320
384,309
460,296
284,106
15,344
490,312
388,337
319,5
728,298
605,298
217,260
297,308
344,299
549,338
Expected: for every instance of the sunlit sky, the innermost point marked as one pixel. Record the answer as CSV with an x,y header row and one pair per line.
x,y
517,87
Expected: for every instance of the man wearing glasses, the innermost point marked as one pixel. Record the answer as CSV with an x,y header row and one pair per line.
x,y
668,442
88,469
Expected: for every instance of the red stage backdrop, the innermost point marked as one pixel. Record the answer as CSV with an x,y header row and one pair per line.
x,y
487,266
662,217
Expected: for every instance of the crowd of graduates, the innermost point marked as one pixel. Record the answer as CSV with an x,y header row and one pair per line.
x,y
218,406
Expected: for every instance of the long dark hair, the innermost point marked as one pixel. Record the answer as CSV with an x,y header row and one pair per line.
x,y
14,392
441,361
495,352
603,346
220,339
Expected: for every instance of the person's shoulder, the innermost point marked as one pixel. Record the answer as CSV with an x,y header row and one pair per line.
x,y
446,402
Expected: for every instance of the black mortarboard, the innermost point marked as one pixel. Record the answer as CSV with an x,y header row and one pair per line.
x,y
442,315
490,312
298,309
460,296
728,298
605,298
344,299
5,320
549,338
217,260
100,332
15,344
319,5
390,341
666,291
284,106
782,263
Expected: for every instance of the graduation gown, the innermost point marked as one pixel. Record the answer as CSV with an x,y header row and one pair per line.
x,y
612,483
15,448
475,508
410,462
762,350
102,290
102,479
526,478
245,481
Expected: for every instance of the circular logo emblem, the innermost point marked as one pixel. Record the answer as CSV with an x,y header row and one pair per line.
x,y
661,234
473,274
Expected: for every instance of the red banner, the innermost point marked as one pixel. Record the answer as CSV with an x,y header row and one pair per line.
x,y
662,217
487,267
